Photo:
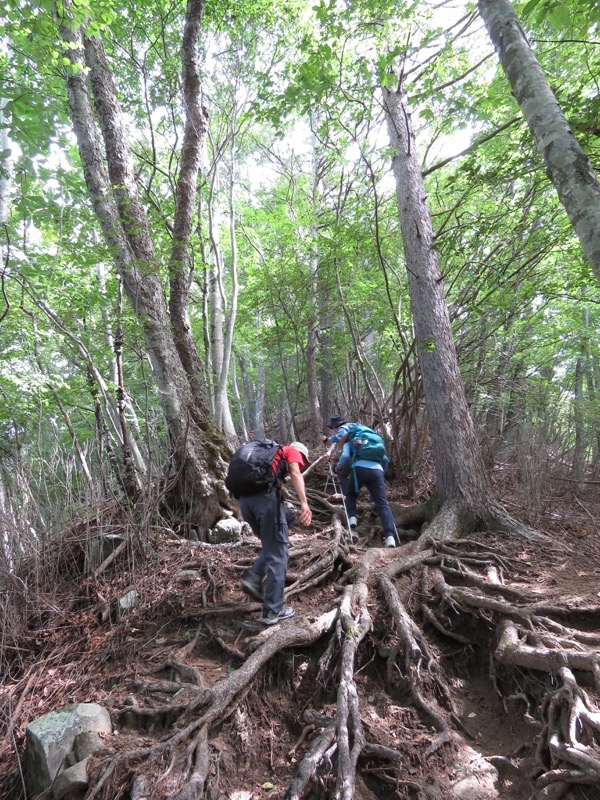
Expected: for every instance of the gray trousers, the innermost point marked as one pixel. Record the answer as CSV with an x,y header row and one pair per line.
x,y
265,513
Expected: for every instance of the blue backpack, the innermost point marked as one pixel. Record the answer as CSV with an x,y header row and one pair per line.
x,y
366,443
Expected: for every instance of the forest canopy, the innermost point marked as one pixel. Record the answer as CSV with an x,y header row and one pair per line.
x,y
289,274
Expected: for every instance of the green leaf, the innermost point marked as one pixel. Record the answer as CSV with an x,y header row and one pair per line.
x,y
559,16
530,6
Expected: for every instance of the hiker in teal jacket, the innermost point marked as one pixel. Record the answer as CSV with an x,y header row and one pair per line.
x,y
340,429
357,472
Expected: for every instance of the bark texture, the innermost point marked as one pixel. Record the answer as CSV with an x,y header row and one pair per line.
x,y
568,166
461,477
195,444
180,266
460,472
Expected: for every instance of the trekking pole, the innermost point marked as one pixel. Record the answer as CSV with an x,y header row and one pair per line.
x,y
338,490
337,487
330,476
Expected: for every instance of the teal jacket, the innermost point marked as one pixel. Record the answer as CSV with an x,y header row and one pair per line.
x,y
346,461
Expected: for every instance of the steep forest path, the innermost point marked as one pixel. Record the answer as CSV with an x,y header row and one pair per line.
x,y
468,669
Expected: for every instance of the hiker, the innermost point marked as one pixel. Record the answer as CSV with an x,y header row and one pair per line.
x,y
340,429
357,469
255,477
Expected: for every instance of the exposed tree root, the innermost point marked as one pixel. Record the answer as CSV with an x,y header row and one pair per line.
x,y
417,659
419,513
187,751
314,757
406,616
217,702
568,747
349,729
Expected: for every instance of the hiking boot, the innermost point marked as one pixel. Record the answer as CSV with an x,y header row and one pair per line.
x,y
271,618
252,585
352,522
389,541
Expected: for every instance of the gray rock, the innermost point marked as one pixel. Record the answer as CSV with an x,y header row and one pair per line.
x,y
128,602
86,744
188,574
50,740
226,530
71,782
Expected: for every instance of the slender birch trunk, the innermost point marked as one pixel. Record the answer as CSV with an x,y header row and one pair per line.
x,y
240,404
312,339
6,177
568,166
578,406
222,399
220,332
195,444
6,164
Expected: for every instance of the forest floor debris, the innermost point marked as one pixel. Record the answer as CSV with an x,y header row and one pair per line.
x,y
399,646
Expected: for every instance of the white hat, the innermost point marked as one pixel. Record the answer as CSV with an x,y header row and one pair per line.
x,y
301,448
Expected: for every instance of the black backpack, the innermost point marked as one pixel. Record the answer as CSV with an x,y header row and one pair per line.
x,y
250,470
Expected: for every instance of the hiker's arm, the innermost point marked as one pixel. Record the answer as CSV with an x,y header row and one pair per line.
x,y
344,464
343,443
298,482
340,436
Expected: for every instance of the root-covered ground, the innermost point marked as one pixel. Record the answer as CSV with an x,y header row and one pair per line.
x,y
465,669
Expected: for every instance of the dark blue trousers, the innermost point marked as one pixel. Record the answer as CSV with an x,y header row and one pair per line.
x,y
374,481
266,516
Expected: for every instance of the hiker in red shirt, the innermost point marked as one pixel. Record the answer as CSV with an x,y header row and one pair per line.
x,y
265,512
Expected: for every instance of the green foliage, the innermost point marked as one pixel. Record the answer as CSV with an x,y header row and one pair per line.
x,y
561,14
293,91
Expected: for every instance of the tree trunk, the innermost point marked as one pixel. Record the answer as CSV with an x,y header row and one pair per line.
x,y
222,399
568,166
96,378
6,175
180,265
592,385
221,333
316,418
250,398
240,404
578,403
460,473
581,403
195,444
131,481
312,339
255,396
